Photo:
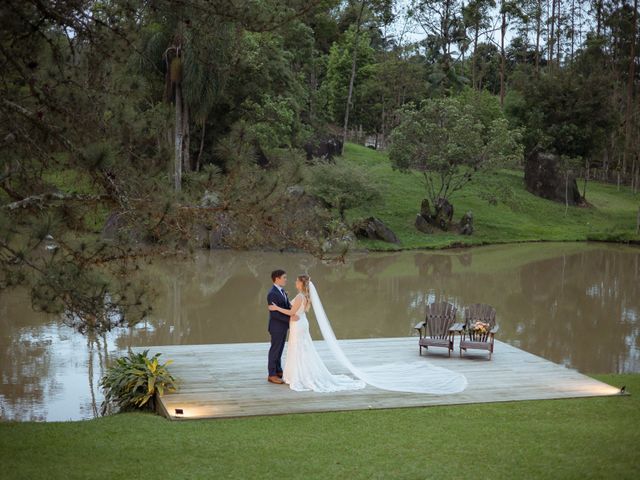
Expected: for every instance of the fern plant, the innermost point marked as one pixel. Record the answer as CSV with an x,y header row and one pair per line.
x,y
132,382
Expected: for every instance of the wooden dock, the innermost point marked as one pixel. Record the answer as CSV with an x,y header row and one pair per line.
x,y
229,380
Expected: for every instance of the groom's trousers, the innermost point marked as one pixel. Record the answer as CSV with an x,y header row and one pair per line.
x,y
278,338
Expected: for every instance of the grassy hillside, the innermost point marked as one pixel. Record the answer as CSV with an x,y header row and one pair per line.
x,y
579,438
519,215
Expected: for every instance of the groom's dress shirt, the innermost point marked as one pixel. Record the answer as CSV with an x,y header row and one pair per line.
x,y
281,290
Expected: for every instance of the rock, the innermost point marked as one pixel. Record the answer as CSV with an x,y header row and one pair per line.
x,y
210,199
220,232
441,218
444,213
213,235
113,226
425,209
374,229
338,245
201,235
466,224
295,191
544,177
325,147
50,243
423,225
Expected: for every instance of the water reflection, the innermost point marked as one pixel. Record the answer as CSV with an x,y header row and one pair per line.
x,y
576,304
48,371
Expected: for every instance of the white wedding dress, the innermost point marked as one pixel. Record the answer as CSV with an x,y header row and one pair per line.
x,y
305,370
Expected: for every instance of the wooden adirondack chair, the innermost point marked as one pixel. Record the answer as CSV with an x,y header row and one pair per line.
x,y
436,331
480,340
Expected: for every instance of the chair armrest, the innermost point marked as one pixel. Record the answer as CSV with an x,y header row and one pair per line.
x,y
494,329
420,325
457,327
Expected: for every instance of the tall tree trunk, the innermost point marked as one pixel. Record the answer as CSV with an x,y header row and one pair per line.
x,y
558,19
586,179
538,31
353,75
630,93
566,192
475,50
186,138
551,34
177,163
382,126
503,31
199,159
446,42
573,26
313,83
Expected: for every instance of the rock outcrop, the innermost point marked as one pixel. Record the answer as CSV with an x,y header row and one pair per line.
x,y
543,176
375,229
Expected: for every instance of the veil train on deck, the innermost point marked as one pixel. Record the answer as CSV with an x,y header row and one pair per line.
x,y
417,377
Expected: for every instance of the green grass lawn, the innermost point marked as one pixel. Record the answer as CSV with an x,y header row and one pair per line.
x,y
519,215
577,438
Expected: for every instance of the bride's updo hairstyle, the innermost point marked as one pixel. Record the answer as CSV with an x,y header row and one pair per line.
x,y
305,290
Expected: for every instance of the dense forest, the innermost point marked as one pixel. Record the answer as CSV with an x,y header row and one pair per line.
x,y
131,128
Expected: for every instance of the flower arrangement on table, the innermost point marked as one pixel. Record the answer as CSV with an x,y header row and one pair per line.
x,y
478,328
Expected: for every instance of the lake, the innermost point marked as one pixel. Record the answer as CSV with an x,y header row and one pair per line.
x,y
577,304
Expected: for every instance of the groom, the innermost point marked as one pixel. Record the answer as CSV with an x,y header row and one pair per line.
x,y
278,324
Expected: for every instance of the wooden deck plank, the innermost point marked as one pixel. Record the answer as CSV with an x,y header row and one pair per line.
x,y
229,380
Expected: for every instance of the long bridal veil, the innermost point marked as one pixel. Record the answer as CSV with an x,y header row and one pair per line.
x,y
416,377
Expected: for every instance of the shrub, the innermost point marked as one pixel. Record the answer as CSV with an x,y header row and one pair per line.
x,y
133,380
342,185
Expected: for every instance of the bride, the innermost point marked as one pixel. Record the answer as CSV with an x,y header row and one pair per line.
x,y
304,369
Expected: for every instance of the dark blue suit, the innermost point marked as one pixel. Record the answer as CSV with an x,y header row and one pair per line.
x,y
278,327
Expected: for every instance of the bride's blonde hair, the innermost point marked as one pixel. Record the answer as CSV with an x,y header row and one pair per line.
x,y
305,290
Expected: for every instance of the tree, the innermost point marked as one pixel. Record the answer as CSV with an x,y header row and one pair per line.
x,y
340,71
83,134
508,9
441,20
381,8
395,79
476,15
450,140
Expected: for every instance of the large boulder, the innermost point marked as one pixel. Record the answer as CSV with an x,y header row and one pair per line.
x,y
215,235
375,229
210,199
444,213
323,146
423,225
295,191
543,176
466,224
441,218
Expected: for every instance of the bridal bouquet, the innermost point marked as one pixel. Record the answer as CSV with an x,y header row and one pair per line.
x,y
479,328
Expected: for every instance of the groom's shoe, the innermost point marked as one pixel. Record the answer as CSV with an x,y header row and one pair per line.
x,y
279,374
274,379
